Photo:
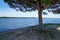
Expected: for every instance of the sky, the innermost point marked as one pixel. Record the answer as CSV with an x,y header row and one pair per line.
x,y
6,11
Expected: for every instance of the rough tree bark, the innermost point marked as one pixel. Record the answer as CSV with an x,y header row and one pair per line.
x,y
39,6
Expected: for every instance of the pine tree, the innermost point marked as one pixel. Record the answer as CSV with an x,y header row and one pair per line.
x,y
31,5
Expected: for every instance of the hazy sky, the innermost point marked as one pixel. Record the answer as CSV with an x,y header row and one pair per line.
x,y
5,10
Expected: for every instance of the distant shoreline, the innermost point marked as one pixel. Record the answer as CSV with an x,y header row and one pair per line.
x,y
24,17
18,17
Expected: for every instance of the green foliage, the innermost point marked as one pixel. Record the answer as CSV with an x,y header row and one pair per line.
x,y
26,5
46,2
22,5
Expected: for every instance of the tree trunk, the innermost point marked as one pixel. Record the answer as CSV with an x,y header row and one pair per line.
x,y
39,6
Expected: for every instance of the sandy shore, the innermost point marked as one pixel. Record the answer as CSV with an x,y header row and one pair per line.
x,y
29,33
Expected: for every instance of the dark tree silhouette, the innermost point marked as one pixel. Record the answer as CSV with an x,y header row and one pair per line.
x,y
22,5
31,5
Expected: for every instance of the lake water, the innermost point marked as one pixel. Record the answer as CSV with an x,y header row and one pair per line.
x,y
14,23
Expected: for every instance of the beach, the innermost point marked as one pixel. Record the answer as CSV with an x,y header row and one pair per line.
x,y
30,33
27,29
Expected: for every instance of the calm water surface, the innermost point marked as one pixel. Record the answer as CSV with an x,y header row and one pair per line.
x,y
14,23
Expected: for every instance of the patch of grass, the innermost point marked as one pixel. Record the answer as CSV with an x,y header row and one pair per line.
x,y
45,32
49,33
